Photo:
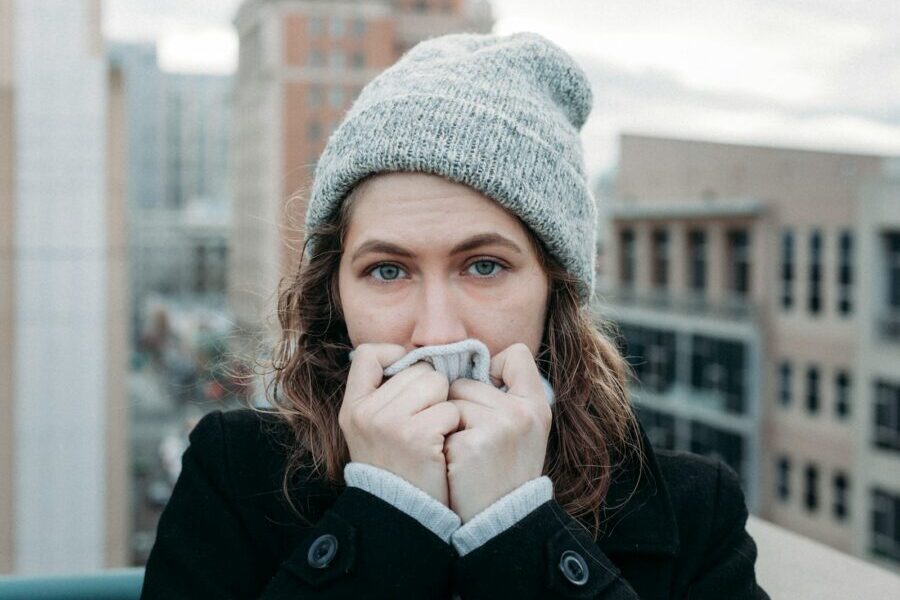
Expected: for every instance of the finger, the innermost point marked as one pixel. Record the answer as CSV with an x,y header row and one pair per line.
x,y
471,414
516,368
425,388
476,391
367,368
442,417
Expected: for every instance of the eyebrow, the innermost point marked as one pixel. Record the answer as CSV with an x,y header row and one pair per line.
x,y
476,241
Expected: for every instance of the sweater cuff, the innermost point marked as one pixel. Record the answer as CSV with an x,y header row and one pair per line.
x,y
502,514
404,496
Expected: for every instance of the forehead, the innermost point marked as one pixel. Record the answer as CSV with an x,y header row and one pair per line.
x,y
408,204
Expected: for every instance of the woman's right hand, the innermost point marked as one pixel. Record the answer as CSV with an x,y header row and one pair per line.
x,y
399,425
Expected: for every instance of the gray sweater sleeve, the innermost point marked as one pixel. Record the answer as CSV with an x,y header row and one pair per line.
x,y
446,524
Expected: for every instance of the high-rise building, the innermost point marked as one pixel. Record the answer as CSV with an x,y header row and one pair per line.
x,y
301,65
753,290
63,418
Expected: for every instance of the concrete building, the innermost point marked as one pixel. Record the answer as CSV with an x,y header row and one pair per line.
x,y
741,279
63,418
301,64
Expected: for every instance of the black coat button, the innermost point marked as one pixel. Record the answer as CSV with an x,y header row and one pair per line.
x,y
574,567
322,551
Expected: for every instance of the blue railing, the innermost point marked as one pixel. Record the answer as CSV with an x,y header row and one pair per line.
x,y
114,584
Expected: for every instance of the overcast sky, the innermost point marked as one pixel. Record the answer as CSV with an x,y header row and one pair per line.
x,y
820,74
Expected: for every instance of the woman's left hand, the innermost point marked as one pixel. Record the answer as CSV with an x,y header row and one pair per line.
x,y
502,440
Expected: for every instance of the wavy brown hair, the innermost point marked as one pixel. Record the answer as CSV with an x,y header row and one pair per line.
x,y
594,429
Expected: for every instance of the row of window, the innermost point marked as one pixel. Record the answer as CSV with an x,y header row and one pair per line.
x,y
737,268
840,486
337,58
885,524
886,433
814,271
841,380
337,27
716,365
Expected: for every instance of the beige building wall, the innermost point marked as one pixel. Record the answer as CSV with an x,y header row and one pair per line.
x,y
118,448
7,278
800,191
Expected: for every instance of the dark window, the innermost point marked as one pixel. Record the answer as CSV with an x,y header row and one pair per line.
x,y
887,416
724,445
785,373
842,394
314,131
886,524
787,268
660,427
697,258
627,257
815,272
718,365
358,60
845,273
651,353
892,255
739,256
840,485
660,258
359,26
812,389
783,488
811,492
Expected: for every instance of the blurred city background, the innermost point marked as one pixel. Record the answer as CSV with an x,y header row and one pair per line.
x,y
154,161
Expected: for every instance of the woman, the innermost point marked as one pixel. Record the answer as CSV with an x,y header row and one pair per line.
x,y
448,420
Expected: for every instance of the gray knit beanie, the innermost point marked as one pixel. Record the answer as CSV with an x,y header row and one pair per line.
x,y
501,114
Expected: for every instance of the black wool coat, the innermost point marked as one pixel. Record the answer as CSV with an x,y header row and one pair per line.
x,y
227,532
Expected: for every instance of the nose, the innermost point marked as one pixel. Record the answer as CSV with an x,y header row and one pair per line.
x,y
438,318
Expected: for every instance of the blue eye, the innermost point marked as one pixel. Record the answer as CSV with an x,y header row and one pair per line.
x,y
485,267
389,272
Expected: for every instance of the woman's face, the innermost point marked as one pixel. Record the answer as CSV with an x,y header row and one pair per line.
x,y
428,261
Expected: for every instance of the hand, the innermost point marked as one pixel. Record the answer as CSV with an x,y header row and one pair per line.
x,y
398,425
503,436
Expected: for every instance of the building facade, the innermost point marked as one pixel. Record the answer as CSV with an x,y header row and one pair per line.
x,y
301,65
63,416
739,279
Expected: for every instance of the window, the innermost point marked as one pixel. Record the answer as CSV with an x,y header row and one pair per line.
x,y
660,258
724,445
845,273
316,58
811,495
338,59
660,427
785,373
739,257
815,272
359,26
887,416
651,353
314,96
314,25
892,256
338,27
840,485
314,131
783,485
697,258
812,389
787,269
842,394
336,97
627,257
718,365
885,524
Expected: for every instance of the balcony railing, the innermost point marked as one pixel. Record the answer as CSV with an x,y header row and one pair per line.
x,y
788,565
733,308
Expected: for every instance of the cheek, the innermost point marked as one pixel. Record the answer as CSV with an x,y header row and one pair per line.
x,y
519,319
